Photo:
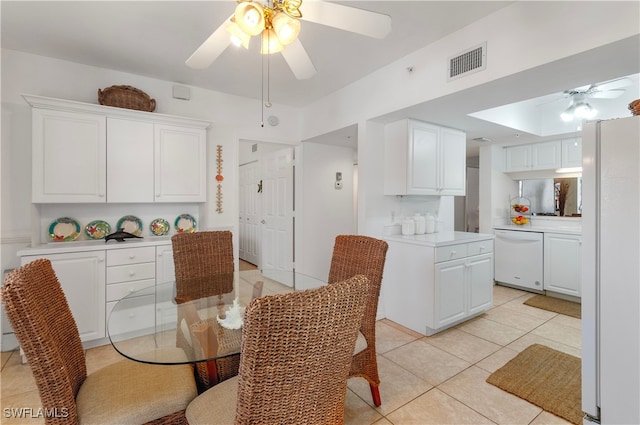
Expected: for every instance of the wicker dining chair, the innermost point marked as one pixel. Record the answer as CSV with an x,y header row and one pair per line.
x,y
352,255
296,354
125,392
204,267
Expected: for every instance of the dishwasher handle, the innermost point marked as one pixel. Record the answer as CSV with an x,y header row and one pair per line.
x,y
518,235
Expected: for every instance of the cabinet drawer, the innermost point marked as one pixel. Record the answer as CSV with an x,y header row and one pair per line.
x,y
118,290
450,252
481,247
131,272
118,257
139,316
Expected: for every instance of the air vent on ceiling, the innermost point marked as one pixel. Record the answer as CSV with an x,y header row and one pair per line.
x,y
468,62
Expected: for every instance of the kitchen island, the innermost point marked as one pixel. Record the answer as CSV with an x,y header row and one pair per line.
x,y
434,281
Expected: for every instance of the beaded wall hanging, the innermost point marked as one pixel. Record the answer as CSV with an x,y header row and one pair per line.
x,y
219,179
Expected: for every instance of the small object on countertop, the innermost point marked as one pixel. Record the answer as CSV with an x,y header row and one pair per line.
x,y
120,236
430,224
420,224
408,226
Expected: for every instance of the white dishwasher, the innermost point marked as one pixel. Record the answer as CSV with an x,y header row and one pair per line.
x,y
519,259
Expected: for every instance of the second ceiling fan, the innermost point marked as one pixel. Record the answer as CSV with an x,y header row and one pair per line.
x,y
277,23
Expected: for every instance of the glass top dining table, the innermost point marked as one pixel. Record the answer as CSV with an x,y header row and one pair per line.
x,y
196,321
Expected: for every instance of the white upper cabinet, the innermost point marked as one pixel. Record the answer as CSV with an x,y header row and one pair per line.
x,y
572,152
68,157
130,153
85,153
180,164
544,156
537,156
424,159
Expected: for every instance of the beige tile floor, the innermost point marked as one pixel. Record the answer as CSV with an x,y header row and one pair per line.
x,y
425,380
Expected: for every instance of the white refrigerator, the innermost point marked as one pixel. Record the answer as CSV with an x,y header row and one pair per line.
x,y
611,271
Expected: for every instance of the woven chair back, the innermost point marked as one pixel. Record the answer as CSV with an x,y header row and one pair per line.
x,y
203,263
48,334
354,254
296,354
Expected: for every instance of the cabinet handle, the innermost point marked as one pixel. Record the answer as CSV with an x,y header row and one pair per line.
x,y
131,257
453,253
481,247
132,273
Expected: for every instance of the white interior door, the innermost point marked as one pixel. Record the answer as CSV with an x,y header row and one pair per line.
x,y
277,210
250,212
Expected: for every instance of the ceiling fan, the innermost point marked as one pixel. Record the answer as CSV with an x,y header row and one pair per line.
x,y
580,108
278,24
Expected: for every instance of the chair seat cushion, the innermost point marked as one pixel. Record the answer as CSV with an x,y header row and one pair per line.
x,y
361,344
129,392
216,405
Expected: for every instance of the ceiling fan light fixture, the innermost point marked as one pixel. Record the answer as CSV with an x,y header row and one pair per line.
x,y
286,28
249,16
567,114
270,42
238,36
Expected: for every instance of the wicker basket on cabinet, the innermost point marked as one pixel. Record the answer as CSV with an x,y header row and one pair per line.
x,y
126,97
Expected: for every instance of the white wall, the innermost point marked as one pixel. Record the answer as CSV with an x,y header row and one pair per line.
x,y
322,211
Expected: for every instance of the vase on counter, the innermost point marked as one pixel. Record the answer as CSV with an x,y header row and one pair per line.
x,y
408,226
430,224
420,224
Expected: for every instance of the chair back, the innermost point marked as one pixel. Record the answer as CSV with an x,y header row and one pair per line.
x,y
353,255
47,332
203,263
296,354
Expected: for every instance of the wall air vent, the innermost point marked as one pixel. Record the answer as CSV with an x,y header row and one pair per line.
x,y
468,62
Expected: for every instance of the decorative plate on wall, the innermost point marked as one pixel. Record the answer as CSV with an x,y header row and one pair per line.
x,y
159,227
64,229
97,229
131,224
185,223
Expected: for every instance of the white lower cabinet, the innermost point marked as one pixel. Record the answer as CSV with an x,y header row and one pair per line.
x,y
94,280
463,288
82,277
430,288
128,271
563,263
165,270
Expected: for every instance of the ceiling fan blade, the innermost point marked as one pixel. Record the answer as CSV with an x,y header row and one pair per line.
x,y
346,18
212,47
296,56
609,94
614,84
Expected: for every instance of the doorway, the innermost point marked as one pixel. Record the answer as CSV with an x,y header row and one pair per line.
x,y
266,205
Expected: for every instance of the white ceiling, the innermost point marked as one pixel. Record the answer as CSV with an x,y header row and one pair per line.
x,y
154,38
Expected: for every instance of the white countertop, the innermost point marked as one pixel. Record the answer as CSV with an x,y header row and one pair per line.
x,y
83,246
440,238
541,229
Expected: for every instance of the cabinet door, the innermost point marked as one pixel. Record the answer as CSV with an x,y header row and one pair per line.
x,y
82,277
517,158
423,169
562,263
545,156
68,157
572,153
450,293
480,281
165,270
180,164
129,160
453,165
